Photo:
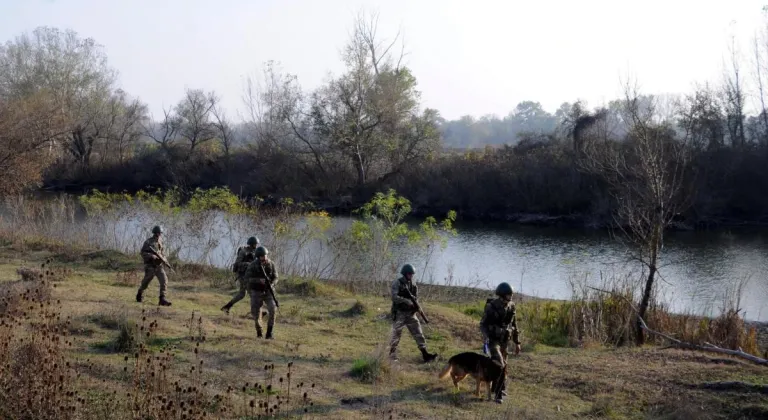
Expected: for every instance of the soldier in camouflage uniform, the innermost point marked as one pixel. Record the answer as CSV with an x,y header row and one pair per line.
x,y
153,266
258,273
498,325
404,314
245,255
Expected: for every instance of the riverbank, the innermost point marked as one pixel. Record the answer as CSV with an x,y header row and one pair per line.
x,y
334,340
345,205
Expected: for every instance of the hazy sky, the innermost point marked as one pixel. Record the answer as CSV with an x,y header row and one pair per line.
x,y
470,57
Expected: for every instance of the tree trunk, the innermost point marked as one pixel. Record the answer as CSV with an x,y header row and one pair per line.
x,y
740,124
764,113
640,338
360,164
191,151
228,168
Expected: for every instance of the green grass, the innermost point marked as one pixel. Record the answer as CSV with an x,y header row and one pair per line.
x,y
335,340
368,369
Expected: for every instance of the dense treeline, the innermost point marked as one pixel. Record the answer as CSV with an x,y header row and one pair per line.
x,y
364,131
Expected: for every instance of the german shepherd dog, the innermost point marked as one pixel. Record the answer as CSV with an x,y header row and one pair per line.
x,y
479,366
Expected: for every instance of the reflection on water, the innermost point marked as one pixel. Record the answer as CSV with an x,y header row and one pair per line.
x,y
698,268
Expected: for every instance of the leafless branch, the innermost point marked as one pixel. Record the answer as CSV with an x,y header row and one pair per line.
x,y
675,343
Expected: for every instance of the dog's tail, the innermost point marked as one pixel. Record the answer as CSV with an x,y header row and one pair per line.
x,y
447,371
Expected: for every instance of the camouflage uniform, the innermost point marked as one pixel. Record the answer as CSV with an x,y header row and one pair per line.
x,y
245,255
498,325
404,315
153,267
256,276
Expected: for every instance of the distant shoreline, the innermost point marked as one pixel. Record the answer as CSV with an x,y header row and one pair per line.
x,y
344,205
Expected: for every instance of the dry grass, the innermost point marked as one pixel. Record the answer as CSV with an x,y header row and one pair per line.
x,y
129,278
191,359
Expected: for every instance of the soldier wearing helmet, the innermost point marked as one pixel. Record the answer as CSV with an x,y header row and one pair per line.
x,y
499,325
153,266
258,273
245,255
404,314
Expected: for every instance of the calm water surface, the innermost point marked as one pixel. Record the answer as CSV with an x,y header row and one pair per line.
x,y
699,269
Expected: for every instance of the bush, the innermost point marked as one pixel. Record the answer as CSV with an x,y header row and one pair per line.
x,y
109,320
369,369
29,274
357,309
474,311
306,288
544,322
16,294
35,376
127,337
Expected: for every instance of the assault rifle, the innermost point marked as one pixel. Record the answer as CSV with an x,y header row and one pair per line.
x,y
162,259
269,284
415,302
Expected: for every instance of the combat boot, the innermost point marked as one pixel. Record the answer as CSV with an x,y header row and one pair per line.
x,y
226,308
163,302
258,332
269,333
393,355
139,296
428,357
500,391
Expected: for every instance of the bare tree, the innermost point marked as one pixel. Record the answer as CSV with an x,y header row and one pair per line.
x,y
278,116
366,42
760,61
92,124
733,95
27,127
194,114
225,131
127,120
73,70
164,132
646,173
762,134
667,108
272,102
701,118
373,108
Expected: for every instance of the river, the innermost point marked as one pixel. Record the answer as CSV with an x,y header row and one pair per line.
x,y
699,269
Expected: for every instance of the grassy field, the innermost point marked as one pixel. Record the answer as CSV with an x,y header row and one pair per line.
x,y
334,342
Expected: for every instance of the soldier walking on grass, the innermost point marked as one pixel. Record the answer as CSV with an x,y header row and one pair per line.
x,y
404,314
152,254
499,325
258,275
245,255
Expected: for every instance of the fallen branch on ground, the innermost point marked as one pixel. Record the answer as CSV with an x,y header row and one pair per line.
x,y
708,347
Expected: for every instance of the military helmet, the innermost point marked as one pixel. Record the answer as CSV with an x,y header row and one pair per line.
x,y
253,240
504,289
157,229
261,251
407,269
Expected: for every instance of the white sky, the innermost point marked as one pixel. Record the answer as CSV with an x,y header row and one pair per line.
x,y
470,57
